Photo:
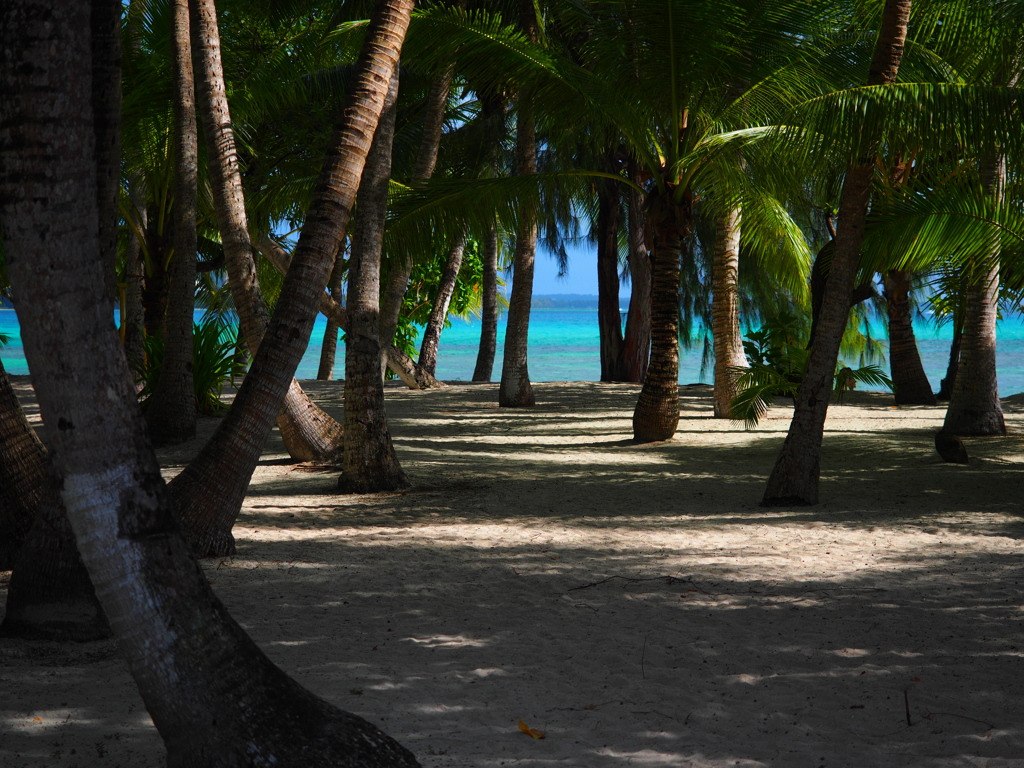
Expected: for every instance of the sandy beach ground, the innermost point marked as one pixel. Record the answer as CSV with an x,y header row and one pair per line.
x,y
632,602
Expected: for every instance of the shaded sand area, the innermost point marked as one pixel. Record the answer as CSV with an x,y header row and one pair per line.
x,y
633,602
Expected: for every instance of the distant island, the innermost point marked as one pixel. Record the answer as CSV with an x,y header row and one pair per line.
x,y
565,301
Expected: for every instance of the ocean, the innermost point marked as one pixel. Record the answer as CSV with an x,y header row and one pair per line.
x,y
564,347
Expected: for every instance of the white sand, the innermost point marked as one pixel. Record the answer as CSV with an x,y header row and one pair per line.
x,y
633,602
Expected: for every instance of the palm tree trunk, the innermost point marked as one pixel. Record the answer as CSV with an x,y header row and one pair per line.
x,y
974,408
132,320
329,347
609,321
171,411
370,463
226,463
656,415
910,383
309,434
636,349
439,312
794,479
106,98
953,365
725,311
489,309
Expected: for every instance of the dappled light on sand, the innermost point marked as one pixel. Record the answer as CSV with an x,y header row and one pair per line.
x,y
630,602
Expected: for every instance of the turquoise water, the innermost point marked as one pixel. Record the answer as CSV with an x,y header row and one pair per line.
x,y
564,347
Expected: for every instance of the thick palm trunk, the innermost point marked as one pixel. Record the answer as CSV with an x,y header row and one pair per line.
x,y
439,312
171,411
636,348
656,415
370,463
609,321
910,383
974,408
725,312
226,463
489,309
329,346
309,434
794,479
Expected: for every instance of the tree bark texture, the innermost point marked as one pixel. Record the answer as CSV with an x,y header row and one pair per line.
x,y
489,309
329,346
214,696
171,410
953,365
974,408
725,312
910,382
656,415
636,348
370,462
794,479
105,23
439,312
609,321
228,459
134,274
309,434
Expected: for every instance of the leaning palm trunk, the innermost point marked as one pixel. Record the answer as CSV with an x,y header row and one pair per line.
x,y
329,347
656,415
214,697
636,348
489,309
309,434
171,412
439,312
725,312
910,382
974,408
228,459
370,463
794,479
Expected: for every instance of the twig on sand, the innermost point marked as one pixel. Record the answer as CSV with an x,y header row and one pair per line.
x,y
667,579
963,717
906,703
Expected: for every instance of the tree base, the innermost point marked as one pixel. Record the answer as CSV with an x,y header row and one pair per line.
x,y
383,483
655,418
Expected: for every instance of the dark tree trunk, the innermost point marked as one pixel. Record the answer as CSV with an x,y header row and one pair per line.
x,y
947,384
171,410
309,434
226,463
656,415
910,383
370,463
106,98
725,312
439,312
636,349
329,347
974,408
156,282
794,479
134,274
609,321
489,309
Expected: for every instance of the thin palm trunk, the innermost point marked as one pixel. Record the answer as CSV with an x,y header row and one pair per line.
x,y
725,311
370,463
439,312
489,309
636,348
329,346
609,321
953,365
910,382
974,408
171,410
309,434
132,318
794,479
226,463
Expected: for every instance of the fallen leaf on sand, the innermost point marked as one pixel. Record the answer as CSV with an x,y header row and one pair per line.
x,y
533,733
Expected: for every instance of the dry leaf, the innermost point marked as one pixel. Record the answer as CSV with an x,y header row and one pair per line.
x,y
533,733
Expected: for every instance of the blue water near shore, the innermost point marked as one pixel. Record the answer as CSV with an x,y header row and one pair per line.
x,y
564,347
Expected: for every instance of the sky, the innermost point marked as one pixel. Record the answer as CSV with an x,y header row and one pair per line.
x,y
582,277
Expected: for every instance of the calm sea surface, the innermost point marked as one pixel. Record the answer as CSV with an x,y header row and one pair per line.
x,y
564,347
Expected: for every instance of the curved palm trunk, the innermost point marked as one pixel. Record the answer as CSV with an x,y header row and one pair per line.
x,y
910,383
609,321
309,434
171,411
974,408
489,309
794,479
439,312
370,462
725,312
329,347
656,415
227,461
636,348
